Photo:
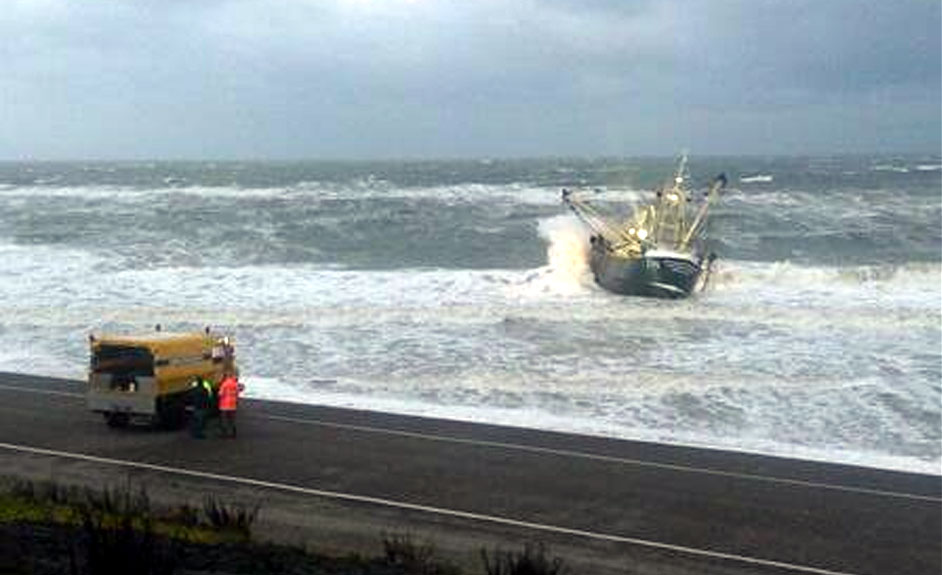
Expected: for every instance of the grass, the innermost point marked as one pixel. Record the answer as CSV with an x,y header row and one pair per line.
x,y
534,559
400,550
124,507
235,518
48,528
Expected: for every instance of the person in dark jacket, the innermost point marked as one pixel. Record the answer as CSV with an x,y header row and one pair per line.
x,y
201,398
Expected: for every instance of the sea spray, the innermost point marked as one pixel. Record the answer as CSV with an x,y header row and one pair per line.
x,y
567,252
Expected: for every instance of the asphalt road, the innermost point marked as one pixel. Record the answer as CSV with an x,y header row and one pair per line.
x,y
735,512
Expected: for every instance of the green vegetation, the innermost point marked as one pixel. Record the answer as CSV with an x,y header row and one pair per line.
x,y
533,560
47,528
116,508
415,558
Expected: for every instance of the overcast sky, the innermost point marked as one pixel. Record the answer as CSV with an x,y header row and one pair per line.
x,y
127,79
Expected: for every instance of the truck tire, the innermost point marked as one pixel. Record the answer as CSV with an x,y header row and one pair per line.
x,y
171,413
115,419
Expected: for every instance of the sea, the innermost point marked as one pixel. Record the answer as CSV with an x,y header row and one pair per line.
x,y
461,290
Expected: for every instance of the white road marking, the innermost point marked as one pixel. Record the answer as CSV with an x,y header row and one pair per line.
x,y
428,509
41,391
605,458
558,452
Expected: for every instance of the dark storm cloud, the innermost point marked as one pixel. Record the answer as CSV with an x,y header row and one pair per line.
x,y
364,78
842,46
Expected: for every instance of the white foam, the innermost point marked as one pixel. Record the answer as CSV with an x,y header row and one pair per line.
x,y
756,179
890,168
839,450
43,282
95,192
356,190
911,286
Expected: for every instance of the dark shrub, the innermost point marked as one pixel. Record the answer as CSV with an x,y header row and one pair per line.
x,y
115,535
233,518
533,560
414,558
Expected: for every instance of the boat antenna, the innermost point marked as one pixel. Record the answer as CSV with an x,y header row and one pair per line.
x,y
680,176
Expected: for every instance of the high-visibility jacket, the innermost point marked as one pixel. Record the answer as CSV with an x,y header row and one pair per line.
x,y
228,394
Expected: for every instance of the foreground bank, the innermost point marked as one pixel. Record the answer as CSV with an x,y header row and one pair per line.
x,y
48,528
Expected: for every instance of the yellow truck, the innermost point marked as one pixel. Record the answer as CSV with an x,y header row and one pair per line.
x,y
149,376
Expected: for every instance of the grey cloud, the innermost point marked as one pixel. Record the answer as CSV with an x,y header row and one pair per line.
x,y
423,77
837,45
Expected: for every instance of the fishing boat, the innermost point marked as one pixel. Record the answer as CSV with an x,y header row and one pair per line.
x,y
660,250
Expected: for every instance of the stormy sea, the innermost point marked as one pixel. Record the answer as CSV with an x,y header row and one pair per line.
x,y
460,289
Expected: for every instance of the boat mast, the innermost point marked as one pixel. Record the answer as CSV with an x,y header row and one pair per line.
x,y
670,220
719,182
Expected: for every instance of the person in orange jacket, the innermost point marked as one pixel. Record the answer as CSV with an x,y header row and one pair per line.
x,y
229,390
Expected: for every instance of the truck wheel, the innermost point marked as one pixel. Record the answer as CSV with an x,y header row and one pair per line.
x,y
171,413
171,416
114,419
